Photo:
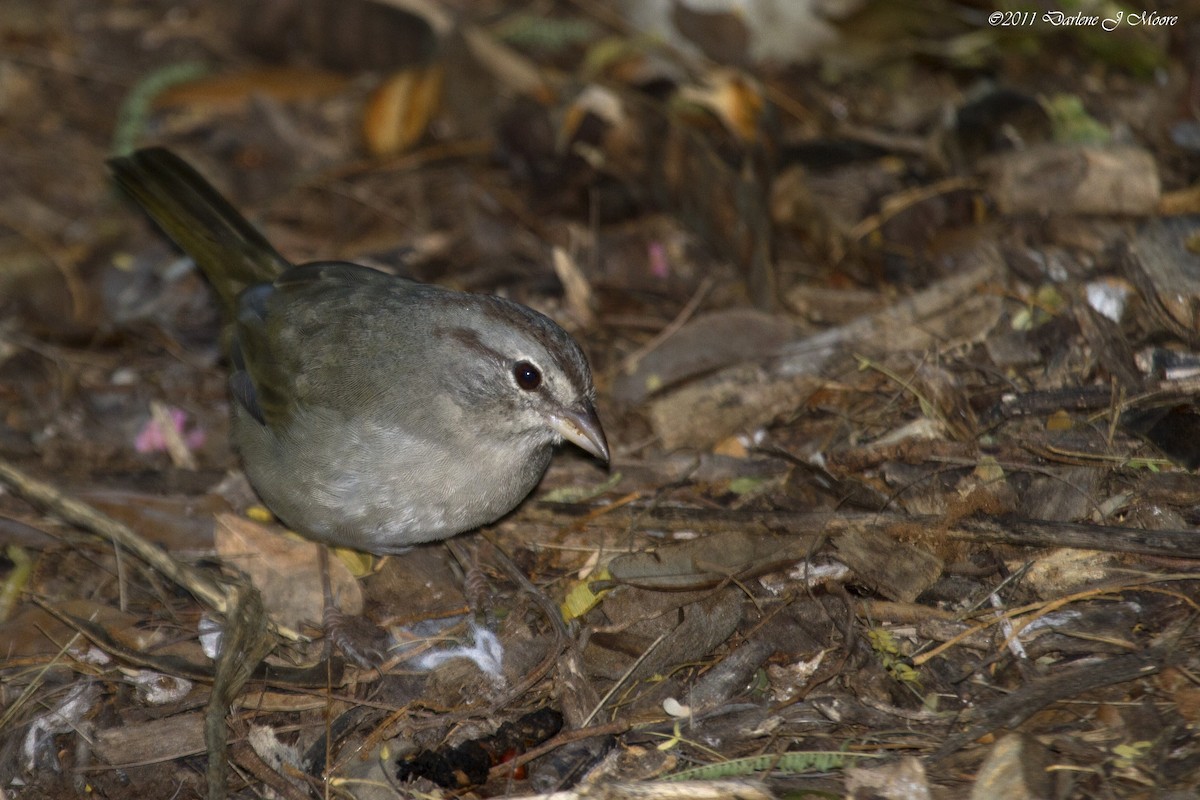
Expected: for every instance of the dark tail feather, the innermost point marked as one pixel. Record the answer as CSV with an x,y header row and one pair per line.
x,y
230,251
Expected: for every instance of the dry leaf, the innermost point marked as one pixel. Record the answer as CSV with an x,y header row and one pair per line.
x,y
285,570
232,91
400,109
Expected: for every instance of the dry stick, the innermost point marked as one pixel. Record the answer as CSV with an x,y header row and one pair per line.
x,y
1024,702
16,705
1043,608
577,735
245,642
991,530
177,448
84,516
630,363
620,681
246,757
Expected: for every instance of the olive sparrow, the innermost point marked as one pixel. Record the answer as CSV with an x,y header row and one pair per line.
x,y
370,411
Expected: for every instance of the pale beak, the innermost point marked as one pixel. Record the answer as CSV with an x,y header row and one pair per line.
x,y
582,427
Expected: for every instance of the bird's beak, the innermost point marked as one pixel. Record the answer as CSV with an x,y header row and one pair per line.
x,y
582,427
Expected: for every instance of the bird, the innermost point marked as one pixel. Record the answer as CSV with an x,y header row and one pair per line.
x,y
371,411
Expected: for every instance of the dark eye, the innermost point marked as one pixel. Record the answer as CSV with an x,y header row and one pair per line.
x,y
528,376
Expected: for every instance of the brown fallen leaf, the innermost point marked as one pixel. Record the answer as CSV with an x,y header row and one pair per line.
x,y
285,571
897,570
232,91
399,111
1063,179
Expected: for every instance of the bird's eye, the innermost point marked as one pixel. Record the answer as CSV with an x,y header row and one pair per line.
x,y
527,375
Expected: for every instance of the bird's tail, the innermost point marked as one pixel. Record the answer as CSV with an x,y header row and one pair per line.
x,y
230,251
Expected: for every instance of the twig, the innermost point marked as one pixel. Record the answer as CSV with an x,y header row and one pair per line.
x,y
1020,705
1043,608
567,737
84,516
630,364
1015,531
80,514
637,663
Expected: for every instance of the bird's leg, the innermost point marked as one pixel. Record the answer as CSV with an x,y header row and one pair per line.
x,y
362,642
476,587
